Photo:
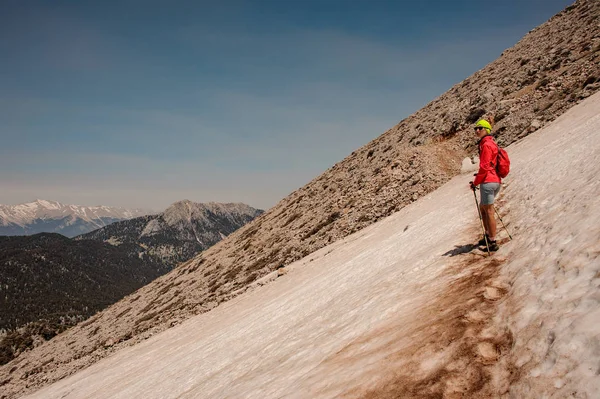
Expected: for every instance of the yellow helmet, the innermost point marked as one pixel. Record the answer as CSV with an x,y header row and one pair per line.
x,y
484,124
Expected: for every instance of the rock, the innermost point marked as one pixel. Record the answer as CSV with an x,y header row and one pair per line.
x,y
536,124
487,351
492,293
593,86
476,316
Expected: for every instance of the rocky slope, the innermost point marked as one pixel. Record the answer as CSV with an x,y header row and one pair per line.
x,y
43,216
552,68
183,230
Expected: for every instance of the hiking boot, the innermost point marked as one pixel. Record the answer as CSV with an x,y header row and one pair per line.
x,y
493,245
482,241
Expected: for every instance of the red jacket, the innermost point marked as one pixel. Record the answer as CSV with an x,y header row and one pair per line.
x,y
488,154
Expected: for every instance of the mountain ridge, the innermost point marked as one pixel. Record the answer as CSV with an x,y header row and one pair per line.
x,y
43,216
178,233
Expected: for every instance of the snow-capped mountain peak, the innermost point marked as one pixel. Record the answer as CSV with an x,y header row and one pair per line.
x,y
52,216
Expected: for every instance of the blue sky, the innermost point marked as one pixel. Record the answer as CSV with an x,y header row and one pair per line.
x,y
142,103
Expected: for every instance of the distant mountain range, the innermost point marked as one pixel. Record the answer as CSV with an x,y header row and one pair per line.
x,y
43,216
180,232
51,282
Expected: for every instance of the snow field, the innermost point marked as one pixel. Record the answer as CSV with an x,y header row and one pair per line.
x,y
554,307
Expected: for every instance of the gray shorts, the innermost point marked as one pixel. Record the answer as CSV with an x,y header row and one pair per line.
x,y
489,192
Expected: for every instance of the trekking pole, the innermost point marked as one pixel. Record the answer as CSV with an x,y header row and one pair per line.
x,y
487,245
503,225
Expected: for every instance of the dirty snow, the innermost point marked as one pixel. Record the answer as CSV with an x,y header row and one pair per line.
x,y
406,307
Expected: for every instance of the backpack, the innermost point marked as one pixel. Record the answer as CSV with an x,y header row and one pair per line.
x,y
502,163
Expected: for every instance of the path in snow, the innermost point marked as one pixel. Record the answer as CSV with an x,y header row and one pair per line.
x,y
402,309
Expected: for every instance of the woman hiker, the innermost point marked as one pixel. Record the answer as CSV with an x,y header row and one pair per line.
x,y
489,180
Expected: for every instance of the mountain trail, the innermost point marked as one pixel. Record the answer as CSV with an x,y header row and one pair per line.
x,y
456,347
